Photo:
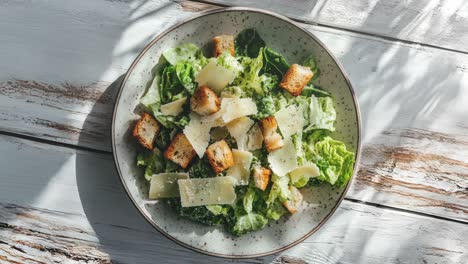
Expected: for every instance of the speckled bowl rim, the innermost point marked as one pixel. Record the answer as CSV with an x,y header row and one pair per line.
x,y
252,10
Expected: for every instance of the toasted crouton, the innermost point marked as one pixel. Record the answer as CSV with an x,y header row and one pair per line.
x,y
223,43
261,177
272,139
146,130
296,200
296,78
180,151
220,156
204,101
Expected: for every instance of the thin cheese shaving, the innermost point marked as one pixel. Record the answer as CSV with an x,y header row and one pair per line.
x,y
238,129
164,185
198,133
173,108
207,191
241,168
290,120
283,160
254,138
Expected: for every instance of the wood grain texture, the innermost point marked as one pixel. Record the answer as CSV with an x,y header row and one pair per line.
x,y
412,98
89,219
439,23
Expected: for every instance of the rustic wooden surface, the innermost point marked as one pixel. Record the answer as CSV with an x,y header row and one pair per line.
x,y
60,65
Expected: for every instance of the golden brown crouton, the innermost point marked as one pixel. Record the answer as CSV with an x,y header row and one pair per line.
x,y
220,156
146,130
223,43
272,139
296,78
261,177
204,101
296,200
180,151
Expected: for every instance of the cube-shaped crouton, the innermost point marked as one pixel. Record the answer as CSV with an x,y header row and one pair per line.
x,y
220,156
204,101
261,177
180,151
296,199
272,139
296,78
146,130
223,43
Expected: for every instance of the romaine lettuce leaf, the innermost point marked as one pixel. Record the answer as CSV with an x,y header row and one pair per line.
x,y
322,113
183,52
248,223
334,161
279,189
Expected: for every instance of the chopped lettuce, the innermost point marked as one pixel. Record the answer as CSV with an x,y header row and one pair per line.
x,y
334,161
248,223
152,161
322,113
186,74
183,52
279,189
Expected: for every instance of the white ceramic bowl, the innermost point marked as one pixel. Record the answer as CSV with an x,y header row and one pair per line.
x,y
295,44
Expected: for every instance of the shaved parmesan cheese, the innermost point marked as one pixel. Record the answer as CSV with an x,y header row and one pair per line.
x,y
207,191
254,138
173,108
290,120
304,173
283,160
198,134
241,168
215,76
236,108
164,185
238,129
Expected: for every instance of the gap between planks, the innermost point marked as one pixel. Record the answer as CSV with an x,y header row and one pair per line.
x,y
353,200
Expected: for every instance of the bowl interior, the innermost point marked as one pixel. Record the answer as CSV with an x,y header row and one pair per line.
x,y
295,44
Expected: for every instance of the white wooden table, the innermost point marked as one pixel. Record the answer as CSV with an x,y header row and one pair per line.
x,y
60,197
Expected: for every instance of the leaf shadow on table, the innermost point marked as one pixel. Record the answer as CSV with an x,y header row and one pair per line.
x,y
417,88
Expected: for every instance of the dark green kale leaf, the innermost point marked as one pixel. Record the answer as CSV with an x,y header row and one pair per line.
x,y
248,43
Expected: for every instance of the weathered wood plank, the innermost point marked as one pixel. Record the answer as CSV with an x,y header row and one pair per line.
x,y
412,98
96,222
438,23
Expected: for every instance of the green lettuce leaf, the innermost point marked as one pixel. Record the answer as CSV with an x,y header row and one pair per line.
x,y
186,74
274,63
248,43
310,89
275,210
248,223
279,190
197,213
334,161
183,52
322,113
153,161
312,63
